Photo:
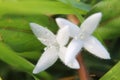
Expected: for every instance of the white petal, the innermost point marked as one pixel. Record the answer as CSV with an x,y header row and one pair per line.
x,y
73,64
47,59
63,36
73,49
96,48
74,29
90,24
43,34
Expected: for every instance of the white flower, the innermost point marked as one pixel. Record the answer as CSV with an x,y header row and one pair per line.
x,y
82,38
53,49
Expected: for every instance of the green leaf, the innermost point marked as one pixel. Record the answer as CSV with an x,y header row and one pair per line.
x,y
11,58
112,74
36,7
76,4
0,78
32,55
96,65
15,31
20,41
109,27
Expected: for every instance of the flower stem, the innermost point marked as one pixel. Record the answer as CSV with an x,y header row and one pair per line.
x,y
83,74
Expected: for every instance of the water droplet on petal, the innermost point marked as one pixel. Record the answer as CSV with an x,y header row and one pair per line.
x,y
51,46
42,39
81,36
45,48
91,47
76,37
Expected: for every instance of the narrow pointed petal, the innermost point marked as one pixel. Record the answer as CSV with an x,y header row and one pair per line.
x,y
96,48
43,34
73,49
47,59
63,36
73,64
90,24
74,29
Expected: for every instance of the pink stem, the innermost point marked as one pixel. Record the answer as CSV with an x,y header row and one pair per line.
x,y
83,74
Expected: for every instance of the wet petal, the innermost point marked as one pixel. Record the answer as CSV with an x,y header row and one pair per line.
x,y
63,36
96,48
90,24
74,29
73,64
47,59
43,34
73,49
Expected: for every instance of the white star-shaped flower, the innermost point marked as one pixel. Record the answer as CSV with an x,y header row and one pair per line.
x,y
54,48
82,38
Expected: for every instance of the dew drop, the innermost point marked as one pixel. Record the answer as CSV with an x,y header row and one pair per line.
x,y
42,39
76,37
45,48
81,36
51,46
91,47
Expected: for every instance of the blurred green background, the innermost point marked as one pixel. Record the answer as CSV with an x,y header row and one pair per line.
x,y
20,49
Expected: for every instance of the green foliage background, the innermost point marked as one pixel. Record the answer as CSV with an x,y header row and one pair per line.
x,y
20,49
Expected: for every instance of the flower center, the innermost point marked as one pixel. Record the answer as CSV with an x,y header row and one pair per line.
x,y
83,35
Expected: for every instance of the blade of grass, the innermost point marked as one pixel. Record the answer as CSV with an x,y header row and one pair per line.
x,y
11,58
36,7
113,74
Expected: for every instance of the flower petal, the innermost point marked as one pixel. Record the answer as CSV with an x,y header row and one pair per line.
x,y
74,29
73,64
63,36
96,48
43,34
47,59
73,49
90,24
